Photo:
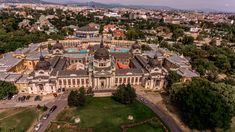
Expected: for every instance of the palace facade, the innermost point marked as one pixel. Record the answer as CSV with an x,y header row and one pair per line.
x,y
99,70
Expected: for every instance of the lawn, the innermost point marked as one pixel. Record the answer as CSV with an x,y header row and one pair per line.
x,y
105,115
17,119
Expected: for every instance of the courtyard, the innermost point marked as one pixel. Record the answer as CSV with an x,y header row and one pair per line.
x,y
104,114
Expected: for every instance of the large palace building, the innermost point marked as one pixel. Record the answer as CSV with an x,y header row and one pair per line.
x,y
102,71
54,66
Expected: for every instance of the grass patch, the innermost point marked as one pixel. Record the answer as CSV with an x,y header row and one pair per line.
x,y
151,126
19,119
105,114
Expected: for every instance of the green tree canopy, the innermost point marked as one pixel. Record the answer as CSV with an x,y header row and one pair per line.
x,y
172,78
125,94
73,99
202,107
188,40
77,98
6,89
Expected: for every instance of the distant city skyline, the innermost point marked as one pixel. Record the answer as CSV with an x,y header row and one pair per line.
x,y
220,5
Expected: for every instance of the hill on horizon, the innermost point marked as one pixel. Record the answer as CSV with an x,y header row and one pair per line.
x,y
24,1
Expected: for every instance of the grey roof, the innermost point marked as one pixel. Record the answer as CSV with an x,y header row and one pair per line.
x,y
58,64
174,58
87,28
28,49
22,51
8,61
13,77
153,46
75,55
125,55
35,55
152,54
186,72
136,64
69,73
23,79
129,72
3,75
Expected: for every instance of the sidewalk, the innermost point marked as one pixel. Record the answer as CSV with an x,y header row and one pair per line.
x,y
157,100
14,103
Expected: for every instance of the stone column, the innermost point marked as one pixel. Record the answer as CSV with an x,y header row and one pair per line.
x,y
134,83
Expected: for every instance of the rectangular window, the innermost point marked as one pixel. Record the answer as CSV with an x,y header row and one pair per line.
x,y
82,81
136,79
74,82
60,82
120,80
69,82
78,81
124,81
65,83
116,80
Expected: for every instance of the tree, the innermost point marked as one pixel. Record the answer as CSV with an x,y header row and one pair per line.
x,y
7,89
228,93
90,91
222,62
125,94
81,97
177,33
172,78
188,40
73,99
134,33
77,98
201,106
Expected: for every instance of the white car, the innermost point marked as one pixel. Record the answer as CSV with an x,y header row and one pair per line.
x,y
45,116
38,126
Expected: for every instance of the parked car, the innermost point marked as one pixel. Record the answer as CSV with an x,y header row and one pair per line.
x,y
38,126
14,96
21,99
53,108
27,97
45,116
9,96
37,98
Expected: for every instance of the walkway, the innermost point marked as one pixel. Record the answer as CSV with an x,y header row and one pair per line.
x,y
151,101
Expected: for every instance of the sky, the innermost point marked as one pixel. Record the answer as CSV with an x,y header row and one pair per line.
x,y
221,5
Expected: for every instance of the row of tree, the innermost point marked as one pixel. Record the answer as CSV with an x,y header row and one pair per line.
x,y
125,94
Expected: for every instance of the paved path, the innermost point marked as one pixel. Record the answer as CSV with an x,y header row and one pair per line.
x,y
60,102
167,119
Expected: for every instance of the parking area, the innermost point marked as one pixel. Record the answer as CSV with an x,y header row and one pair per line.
x,y
26,100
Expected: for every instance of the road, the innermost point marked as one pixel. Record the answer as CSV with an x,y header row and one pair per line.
x,y
60,102
167,119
